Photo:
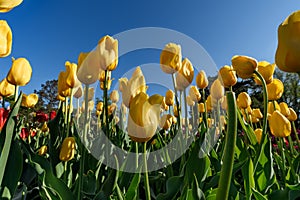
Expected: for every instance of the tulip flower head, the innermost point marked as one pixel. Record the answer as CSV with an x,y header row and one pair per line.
x,y
243,100
201,80
217,90
227,76
114,96
6,89
71,77
89,67
30,100
67,150
194,94
244,66
43,150
280,126
185,75
266,70
169,98
170,58
258,134
7,5
5,38
284,109
201,107
166,121
20,72
108,53
293,115
275,89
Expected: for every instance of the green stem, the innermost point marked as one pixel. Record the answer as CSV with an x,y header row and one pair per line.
x,y
230,141
147,186
69,111
281,143
186,114
296,134
176,100
291,145
16,93
106,103
204,102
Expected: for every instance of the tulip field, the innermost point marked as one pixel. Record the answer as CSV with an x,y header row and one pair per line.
x,y
200,139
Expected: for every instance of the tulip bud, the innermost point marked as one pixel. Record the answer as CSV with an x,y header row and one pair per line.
x,y
45,128
201,108
6,89
67,150
189,101
275,89
108,53
287,54
78,92
284,109
258,134
175,111
170,58
170,98
89,68
280,126
244,66
164,106
71,77
272,106
108,85
243,100
194,94
227,76
7,5
292,116
166,121
201,80
224,103
266,70
185,75
43,150
5,38
111,108
30,100
114,96
217,90
20,72
257,113
99,106
62,88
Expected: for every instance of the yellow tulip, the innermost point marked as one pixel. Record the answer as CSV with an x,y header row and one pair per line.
x,y
6,89
293,115
43,150
224,103
131,88
114,96
143,116
201,107
189,101
210,122
71,77
201,80
243,100
185,75
217,90
30,100
175,111
164,106
67,150
20,72
62,88
211,103
257,113
108,53
78,92
108,84
166,121
287,54
280,126
272,106
99,106
89,67
7,5
170,96
227,76
258,134
284,109
266,70
102,75
111,108
194,94
244,66
60,98
275,89
5,38
170,58
45,128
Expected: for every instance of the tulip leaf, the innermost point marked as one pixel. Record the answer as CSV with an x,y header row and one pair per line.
x,y
248,130
173,186
247,171
258,195
6,137
133,188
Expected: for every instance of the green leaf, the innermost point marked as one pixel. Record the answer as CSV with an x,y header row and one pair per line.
x,y
258,195
89,183
133,188
196,191
173,186
247,171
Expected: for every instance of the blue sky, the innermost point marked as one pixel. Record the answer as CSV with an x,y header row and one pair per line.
x,y
48,33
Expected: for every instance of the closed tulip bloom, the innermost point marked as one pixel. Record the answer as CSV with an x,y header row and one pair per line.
x,y
185,75
266,69
210,122
91,93
62,88
114,96
175,111
71,77
78,92
253,119
258,134
287,54
108,84
164,106
189,101
20,72
194,94
227,76
60,98
201,80
224,103
280,126
293,115
89,67
108,53
6,89
99,106
43,150
284,109
211,103
217,90
67,150
166,121
45,128
257,113
244,66
170,58
275,89
7,5
30,100
201,108
111,108
131,88
243,100
272,106
5,38
143,117
170,96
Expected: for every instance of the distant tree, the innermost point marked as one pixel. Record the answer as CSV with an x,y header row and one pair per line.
x,y
47,96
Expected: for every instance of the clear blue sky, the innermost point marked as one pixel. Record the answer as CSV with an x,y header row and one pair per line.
x,y
49,32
